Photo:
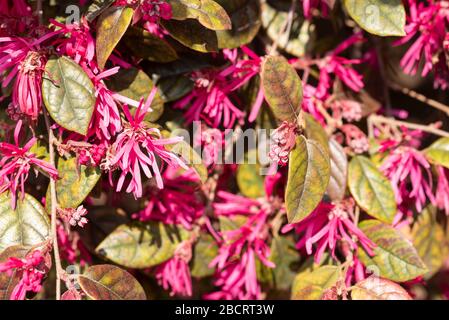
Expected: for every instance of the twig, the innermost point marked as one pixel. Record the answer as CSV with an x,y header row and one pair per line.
x,y
415,95
425,128
383,74
54,200
285,29
40,12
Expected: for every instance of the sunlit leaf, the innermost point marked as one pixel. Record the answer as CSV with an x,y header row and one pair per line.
x,y
371,189
315,131
27,226
438,152
379,17
311,285
429,240
283,88
394,258
339,171
375,288
209,13
108,282
111,26
74,184
68,94
308,177
142,246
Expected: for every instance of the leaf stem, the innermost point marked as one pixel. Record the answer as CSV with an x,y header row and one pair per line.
x,y
53,206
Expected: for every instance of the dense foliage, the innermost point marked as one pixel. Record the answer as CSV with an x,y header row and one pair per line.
x,y
224,149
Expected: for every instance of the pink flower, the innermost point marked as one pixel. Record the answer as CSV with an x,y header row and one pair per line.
x,y
328,224
334,64
177,203
16,163
309,5
24,60
71,247
174,274
236,260
349,110
283,140
136,148
355,138
427,23
410,175
210,100
75,217
212,143
31,270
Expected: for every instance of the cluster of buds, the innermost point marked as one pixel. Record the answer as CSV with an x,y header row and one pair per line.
x,y
75,217
283,140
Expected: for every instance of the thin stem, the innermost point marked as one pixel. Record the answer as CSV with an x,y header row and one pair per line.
x,y
285,29
425,128
40,12
54,204
383,74
415,95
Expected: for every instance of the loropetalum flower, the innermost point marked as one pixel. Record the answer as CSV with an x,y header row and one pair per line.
x,y
16,17
211,142
23,60
74,217
236,260
137,147
178,203
427,23
15,165
410,175
283,140
174,274
328,224
355,138
210,100
31,271
340,67
71,247
309,5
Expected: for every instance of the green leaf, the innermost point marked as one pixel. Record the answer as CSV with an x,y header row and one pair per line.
x,y
311,285
379,17
148,46
308,177
339,172
249,179
315,131
192,34
374,288
74,184
394,258
111,26
142,246
204,252
429,240
136,84
371,189
294,42
282,87
108,282
438,152
209,13
246,22
191,157
68,94
27,226
8,281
